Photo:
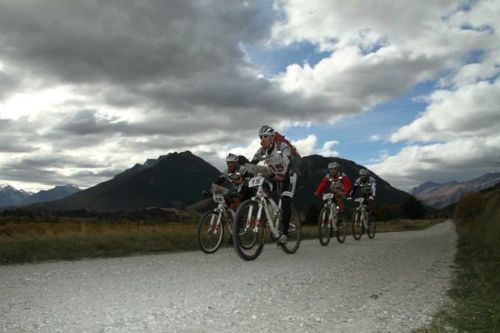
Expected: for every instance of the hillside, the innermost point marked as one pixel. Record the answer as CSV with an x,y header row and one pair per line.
x,y
174,180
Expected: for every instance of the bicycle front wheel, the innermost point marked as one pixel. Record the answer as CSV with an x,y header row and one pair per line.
x,y
324,226
357,224
372,226
210,232
248,231
341,229
294,232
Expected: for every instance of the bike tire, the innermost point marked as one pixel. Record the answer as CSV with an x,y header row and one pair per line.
x,y
248,241
341,231
294,232
357,225
372,229
323,227
209,241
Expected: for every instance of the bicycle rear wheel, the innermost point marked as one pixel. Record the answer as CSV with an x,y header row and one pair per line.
x,y
294,232
357,224
210,235
324,226
248,232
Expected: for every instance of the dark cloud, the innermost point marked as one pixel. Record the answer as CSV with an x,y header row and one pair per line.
x,y
126,42
86,122
8,146
7,84
47,170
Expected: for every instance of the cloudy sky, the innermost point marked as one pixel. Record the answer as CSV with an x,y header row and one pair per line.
x,y
88,88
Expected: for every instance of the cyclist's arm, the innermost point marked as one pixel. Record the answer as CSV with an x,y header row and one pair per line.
x,y
374,187
322,186
220,180
346,181
354,188
287,155
259,156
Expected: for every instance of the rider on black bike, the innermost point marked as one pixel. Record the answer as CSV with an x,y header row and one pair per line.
x,y
237,176
367,185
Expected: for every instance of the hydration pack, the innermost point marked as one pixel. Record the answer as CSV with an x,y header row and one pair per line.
x,y
295,156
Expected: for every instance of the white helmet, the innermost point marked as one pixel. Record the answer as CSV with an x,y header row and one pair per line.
x,y
363,172
266,130
333,165
232,158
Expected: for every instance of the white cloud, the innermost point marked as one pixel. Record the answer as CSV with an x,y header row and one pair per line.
x,y
471,110
460,159
327,149
306,146
375,137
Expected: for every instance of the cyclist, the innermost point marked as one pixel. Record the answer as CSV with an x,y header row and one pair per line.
x,y
368,185
340,185
277,156
237,176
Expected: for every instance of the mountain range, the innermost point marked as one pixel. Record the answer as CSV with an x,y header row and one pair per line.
x,y
440,195
176,180
12,197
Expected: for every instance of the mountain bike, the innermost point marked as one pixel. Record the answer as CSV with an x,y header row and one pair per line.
x,y
329,222
261,211
361,221
210,230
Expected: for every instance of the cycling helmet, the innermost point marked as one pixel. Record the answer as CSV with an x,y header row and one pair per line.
x,y
266,130
232,158
333,165
363,172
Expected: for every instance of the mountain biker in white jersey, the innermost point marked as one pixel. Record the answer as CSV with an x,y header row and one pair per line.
x,y
277,156
368,188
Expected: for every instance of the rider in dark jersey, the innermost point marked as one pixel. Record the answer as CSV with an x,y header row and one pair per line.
x,y
368,188
235,175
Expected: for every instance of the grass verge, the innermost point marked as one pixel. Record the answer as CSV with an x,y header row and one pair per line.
x,y
30,240
475,291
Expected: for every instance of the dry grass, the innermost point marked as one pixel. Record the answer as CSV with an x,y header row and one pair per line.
x,y
34,239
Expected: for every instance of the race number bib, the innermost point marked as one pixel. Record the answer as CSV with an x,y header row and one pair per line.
x,y
256,181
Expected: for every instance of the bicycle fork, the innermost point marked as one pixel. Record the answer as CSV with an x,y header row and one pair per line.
x,y
214,223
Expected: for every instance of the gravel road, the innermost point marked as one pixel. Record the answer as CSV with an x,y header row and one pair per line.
x,y
393,283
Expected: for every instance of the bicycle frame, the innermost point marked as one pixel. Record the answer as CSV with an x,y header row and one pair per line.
x,y
328,203
221,210
362,208
266,205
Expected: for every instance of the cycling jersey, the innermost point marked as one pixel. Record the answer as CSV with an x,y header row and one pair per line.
x,y
237,179
340,184
367,186
277,158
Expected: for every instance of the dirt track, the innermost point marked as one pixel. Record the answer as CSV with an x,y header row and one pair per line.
x,y
393,283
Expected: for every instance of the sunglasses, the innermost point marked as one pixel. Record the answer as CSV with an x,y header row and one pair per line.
x,y
264,136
